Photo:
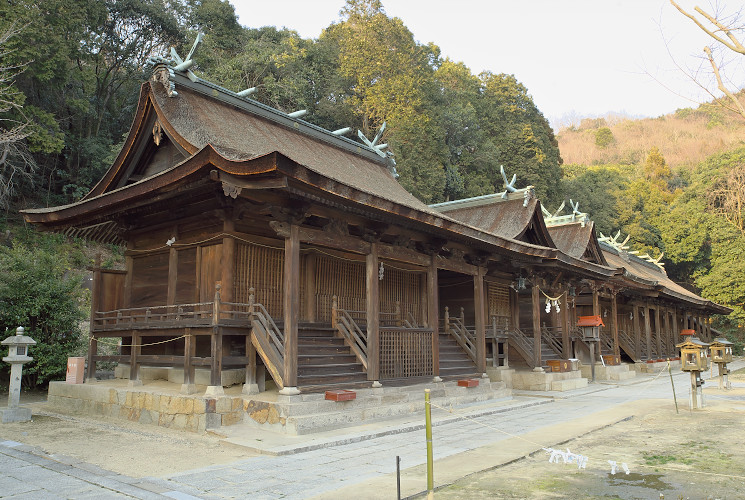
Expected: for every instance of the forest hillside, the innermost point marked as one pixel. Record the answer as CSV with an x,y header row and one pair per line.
x,y
70,73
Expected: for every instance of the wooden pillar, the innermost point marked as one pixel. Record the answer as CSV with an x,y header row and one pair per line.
x,y
172,276
614,322
433,322
227,277
675,328
311,261
129,267
190,347
637,332
648,330
479,303
658,330
515,308
291,308
95,301
596,312
134,368
566,350
536,297
372,298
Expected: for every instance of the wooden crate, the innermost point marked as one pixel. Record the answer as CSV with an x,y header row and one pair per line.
x,y
468,382
559,365
611,359
341,395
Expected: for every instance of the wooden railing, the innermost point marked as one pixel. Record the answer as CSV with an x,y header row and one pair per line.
x,y
347,327
267,338
454,325
177,315
523,344
626,342
550,337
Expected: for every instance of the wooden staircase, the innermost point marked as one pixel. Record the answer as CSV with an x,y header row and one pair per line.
x,y
454,361
325,361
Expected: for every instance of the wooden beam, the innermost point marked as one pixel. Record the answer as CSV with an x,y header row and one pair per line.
x,y
322,238
658,330
456,266
480,311
403,254
291,304
372,307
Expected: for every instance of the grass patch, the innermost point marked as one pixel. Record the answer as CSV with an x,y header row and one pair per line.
x,y
654,459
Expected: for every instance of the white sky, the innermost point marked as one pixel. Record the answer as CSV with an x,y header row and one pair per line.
x,y
576,57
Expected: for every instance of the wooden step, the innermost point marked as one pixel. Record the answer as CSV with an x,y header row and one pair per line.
x,y
331,379
329,369
334,358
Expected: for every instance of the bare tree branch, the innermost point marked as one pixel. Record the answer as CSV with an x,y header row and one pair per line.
x,y
721,86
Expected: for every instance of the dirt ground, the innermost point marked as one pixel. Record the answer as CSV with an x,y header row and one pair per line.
x,y
118,445
686,455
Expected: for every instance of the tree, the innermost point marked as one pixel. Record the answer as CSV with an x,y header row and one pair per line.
x,y
15,160
39,292
604,137
723,31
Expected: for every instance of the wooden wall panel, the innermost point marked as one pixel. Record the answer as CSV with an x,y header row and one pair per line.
x,y
186,277
404,287
111,291
149,280
343,278
210,271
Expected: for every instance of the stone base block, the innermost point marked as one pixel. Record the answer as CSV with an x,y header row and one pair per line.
x,y
500,374
616,372
546,381
229,377
18,414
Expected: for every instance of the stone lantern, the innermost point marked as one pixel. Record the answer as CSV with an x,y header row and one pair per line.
x,y
721,354
18,345
693,359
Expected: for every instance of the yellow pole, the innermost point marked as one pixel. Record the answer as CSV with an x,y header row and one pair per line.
x,y
430,465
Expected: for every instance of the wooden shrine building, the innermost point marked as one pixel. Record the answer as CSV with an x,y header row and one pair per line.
x,y
256,240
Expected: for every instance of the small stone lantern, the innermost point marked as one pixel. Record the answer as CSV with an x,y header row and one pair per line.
x,y
693,359
721,354
590,326
18,345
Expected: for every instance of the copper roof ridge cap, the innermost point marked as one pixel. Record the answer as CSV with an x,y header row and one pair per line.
x,y
280,118
483,199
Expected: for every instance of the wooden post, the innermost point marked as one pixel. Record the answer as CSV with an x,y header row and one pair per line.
x,y
566,348
95,301
372,301
676,330
134,368
334,311
447,319
216,345
637,332
537,362
129,266
311,261
190,346
648,330
480,310
397,314
658,330
172,276
614,322
228,266
433,321
291,308
668,333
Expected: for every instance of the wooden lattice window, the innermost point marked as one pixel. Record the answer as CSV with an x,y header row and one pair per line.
x,y
499,304
405,354
404,287
260,267
343,278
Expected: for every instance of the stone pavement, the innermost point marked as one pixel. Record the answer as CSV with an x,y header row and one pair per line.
x,y
358,463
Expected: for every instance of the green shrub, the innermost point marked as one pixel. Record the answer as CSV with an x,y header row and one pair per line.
x,y
39,292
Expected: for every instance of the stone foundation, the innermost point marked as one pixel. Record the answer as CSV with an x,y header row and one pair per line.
x,y
656,366
147,406
614,372
229,377
548,381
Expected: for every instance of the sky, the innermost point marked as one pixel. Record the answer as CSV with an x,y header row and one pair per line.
x,y
577,58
